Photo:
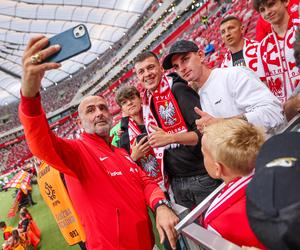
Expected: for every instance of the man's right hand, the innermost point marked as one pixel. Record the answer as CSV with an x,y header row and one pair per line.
x,y
34,72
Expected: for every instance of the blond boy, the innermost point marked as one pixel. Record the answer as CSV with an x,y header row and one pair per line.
x,y
230,148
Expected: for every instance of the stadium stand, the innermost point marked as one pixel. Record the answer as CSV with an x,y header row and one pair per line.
x,y
14,150
58,96
195,235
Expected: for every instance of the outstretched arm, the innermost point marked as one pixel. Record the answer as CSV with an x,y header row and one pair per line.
x,y
39,137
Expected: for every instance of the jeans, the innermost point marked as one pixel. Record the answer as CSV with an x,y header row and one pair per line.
x,y
190,191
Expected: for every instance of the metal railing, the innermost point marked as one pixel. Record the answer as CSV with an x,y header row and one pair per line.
x,y
196,237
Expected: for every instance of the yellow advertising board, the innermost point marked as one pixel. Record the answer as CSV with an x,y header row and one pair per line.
x,y
56,197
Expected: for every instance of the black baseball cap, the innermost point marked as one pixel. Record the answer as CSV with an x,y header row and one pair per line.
x,y
181,46
273,195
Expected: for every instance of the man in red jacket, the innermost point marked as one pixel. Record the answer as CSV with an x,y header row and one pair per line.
x,y
112,193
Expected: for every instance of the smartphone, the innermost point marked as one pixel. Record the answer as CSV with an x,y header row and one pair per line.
x,y
72,42
140,137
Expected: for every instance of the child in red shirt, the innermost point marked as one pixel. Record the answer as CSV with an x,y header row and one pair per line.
x,y
229,148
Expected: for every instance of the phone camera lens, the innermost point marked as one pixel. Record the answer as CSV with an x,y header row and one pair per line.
x,y
80,27
77,34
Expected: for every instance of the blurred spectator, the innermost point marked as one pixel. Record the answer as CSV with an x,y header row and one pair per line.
x,y
7,230
204,20
17,241
273,201
226,6
240,50
114,134
33,226
230,148
116,131
276,61
209,48
24,227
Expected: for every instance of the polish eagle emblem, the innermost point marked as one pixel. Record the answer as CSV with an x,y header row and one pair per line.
x,y
150,165
167,112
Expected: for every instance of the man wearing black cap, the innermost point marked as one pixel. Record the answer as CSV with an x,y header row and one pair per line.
x,y
170,122
272,197
224,92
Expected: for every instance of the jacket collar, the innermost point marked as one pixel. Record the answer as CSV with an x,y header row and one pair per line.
x,y
94,138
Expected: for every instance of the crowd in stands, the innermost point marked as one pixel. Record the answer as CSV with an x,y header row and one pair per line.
x,y
60,95
26,234
200,34
15,155
63,93
225,157
57,96
12,155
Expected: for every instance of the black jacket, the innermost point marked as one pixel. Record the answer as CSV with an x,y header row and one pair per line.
x,y
185,160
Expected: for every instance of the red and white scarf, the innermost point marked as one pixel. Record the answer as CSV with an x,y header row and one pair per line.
x,y
149,163
168,112
249,55
277,66
232,192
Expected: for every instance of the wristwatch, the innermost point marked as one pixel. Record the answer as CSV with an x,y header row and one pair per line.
x,y
163,202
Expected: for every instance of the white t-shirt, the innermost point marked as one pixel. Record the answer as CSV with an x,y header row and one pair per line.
x,y
235,91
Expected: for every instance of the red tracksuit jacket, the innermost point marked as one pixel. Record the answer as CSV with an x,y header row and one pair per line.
x,y
110,192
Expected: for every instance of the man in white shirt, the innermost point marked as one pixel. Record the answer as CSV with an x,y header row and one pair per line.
x,y
225,92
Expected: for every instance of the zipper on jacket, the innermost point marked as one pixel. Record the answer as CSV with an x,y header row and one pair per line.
x,y
118,228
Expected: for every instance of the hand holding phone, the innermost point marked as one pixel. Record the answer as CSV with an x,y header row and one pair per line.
x,y
72,42
140,137
140,148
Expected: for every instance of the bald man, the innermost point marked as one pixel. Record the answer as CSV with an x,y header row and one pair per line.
x,y
111,194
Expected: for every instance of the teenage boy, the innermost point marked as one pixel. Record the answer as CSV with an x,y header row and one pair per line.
x,y
129,100
276,61
263,28
229,148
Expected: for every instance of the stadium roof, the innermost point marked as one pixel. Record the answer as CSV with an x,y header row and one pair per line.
x,y
106,20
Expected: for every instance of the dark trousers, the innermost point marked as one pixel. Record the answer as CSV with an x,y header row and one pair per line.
x,y
190,191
